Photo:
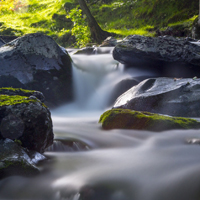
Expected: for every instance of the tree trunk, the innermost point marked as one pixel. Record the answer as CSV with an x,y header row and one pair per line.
x,y
97,34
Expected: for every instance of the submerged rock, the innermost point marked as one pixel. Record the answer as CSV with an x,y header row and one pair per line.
x,y
86,51
67,145
16,160
165,55
129,119
176,97
36,62
109,42
26,119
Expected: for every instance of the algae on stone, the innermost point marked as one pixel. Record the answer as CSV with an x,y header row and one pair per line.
x,y
129,119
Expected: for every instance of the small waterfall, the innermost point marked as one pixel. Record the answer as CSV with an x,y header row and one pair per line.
x,y
94,78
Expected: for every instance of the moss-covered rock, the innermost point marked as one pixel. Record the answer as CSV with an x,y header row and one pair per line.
x,y
129,119
22,92
25,118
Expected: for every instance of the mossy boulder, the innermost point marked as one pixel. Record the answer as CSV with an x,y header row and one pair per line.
x,y
25,118
37,62
16,160
129,119
22,92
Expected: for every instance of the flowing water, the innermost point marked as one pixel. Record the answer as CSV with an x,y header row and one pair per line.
x,y
109,165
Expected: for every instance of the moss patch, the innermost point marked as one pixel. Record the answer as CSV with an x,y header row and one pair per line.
x,y
16,90
6,100
129,119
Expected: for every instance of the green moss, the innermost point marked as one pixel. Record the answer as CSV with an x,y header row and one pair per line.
x,y
128,119
16,90
6,100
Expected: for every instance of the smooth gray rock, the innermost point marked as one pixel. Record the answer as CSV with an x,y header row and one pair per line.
x,y
176,97
32,62
165,55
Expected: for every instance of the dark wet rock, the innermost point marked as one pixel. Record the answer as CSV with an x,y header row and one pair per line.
x,y
129,119
176,97
165,55
8,38
67,145
16,160
86,51
109,42
1,42
94,50
26,119
36,62
122,87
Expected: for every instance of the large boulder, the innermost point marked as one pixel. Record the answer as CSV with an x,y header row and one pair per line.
x,y
36,62
16,160
165,55
25,118
176,97
129,119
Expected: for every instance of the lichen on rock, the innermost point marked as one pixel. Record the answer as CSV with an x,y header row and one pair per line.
x,y
129,119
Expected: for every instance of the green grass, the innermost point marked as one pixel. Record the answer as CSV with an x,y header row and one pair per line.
x,y
122,17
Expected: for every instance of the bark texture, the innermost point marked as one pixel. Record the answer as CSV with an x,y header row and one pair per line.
x,y
97,34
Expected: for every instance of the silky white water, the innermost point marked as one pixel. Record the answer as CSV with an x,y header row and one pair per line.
x,y
118,164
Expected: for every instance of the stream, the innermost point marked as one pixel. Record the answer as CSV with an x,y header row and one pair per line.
x,y
109,165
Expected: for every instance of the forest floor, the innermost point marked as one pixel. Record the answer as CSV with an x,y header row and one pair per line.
x,y
122,17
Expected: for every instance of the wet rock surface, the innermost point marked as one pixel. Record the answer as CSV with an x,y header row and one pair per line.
x,y
26,119
1,42
67,145
176,97
16,160
165,55
36,62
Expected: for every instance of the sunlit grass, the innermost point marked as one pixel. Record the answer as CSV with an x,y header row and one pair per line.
x,y
122,17
140,31
188,21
